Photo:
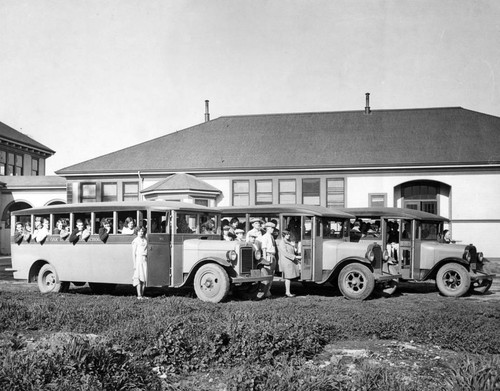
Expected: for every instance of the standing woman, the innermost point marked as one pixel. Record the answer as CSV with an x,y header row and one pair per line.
x,y
288,261
139,256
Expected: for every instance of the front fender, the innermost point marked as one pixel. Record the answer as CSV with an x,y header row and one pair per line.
x,y
431,274
221,261
334,273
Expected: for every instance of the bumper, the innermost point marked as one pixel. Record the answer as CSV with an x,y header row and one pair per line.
x,y
475,276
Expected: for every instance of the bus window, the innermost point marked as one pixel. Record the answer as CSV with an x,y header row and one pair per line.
x,y
333,228
103,216
307,228
61,223
158,222
86,218
130,220
186,223
208,224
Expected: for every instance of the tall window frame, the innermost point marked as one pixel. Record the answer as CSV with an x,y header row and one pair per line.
x,y
311,191
109,191
263,192
287,189
241,192
130,191
335,192
88,191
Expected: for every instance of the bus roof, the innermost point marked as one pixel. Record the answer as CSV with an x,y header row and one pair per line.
x,y
403,213
297,209
118,206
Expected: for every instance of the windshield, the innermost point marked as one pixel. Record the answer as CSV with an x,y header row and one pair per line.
x,y
428,230
334,228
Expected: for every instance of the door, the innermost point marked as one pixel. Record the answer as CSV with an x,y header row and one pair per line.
x,y
406,250
307,249
159,240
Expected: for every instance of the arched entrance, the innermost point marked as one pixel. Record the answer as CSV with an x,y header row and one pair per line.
x,y
5,224
425,195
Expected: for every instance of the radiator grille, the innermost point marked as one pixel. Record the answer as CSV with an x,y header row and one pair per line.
x,y
246,256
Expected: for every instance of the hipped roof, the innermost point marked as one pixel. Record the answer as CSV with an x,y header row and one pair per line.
x,y
436,136
182,182
8,133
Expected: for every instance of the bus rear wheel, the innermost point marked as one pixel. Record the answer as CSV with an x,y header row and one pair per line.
x,y
211,283
356,282
99,288
48,280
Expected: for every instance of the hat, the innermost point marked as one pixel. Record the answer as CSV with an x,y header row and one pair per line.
x,y
255,220
285,232
269,225
252,234
226,228
239,231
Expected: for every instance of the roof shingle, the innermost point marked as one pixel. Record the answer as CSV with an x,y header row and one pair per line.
x,y
438,136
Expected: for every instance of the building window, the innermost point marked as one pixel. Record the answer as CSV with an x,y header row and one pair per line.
x,y
35,167
109,192
241,193
310,191
335,193
199,201
263,192
287,191
421,195
3,162
130,191
89,192
377,200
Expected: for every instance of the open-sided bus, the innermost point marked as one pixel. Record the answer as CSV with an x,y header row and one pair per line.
x,y
414,239
184,249
321,236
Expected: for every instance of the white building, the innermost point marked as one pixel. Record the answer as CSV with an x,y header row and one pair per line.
x,y
441,160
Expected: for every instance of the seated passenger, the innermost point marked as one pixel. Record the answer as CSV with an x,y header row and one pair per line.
x,y
27,232
43,232
225,234
78,233
19,234
183,226
105,230
129,227
234,224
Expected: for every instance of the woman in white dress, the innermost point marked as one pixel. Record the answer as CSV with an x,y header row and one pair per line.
x,y
140,257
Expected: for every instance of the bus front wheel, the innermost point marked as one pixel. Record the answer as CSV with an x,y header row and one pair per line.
x,y
453,280
356,282
48,280
211,283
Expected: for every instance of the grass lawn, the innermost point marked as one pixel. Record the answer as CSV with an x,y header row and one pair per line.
x,y
317,341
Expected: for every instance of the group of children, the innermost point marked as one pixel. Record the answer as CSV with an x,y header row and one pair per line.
x,y
263,236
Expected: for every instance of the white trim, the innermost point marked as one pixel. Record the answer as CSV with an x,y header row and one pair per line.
x,y
296,169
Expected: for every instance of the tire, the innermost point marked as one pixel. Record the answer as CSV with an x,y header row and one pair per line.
x,y
99,288
211,283
48,280
480,287
453,280
356,282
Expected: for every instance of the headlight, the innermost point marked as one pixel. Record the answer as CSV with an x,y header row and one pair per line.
x,y
385,255
232,255
480,256
257,255
370,256
467,256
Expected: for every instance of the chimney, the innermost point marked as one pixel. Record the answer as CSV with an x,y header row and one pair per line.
x,y
367,107
207,113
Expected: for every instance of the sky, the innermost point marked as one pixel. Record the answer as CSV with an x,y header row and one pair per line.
x,y
89,77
